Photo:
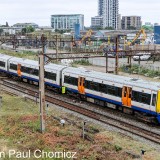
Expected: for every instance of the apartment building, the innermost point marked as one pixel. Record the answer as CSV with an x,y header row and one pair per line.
x,y
131,22
65,22
97,22
109,10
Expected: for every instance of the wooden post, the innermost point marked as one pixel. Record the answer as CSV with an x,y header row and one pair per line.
x,y
42,84
41,92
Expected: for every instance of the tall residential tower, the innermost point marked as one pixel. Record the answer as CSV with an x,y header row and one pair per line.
x,y
109,10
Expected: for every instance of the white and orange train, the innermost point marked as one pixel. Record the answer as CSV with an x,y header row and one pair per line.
x,y
100,88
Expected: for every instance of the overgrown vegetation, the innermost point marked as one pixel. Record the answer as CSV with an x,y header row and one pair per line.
x,y
136,69
21,54
81,62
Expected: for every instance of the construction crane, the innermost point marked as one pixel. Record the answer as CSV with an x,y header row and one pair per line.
x,y
87,35
142,31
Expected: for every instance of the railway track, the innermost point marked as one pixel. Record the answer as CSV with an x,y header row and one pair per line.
x,y
117,123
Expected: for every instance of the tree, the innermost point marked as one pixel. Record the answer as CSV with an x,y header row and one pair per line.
x,y
30,29
24,31
149,28
109,28
131,28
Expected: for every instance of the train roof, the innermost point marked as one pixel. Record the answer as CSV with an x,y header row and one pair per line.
x,y
114,78
31,63
53,66
5,57
24,61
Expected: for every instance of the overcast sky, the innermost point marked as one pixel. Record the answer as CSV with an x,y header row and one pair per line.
x,y
39,11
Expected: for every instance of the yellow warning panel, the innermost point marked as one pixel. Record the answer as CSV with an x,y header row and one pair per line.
x,y
158,102
63,90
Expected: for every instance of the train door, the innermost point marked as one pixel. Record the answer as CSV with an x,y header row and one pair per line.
x,y
158,102
19,69
81,81
127,96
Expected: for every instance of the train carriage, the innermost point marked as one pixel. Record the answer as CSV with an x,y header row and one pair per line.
x,y
4,62
114,91
24,68
29,70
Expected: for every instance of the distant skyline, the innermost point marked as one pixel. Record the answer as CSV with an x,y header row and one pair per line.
x,y
38,11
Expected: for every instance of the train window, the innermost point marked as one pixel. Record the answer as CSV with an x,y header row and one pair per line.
x,y
135,96
71,80
102,87
49,75
154,100
86,84
125,91
66,79
23,69
111,90
145,98
2,64
94,86
34,71
119,92
13,66
75,81
130,92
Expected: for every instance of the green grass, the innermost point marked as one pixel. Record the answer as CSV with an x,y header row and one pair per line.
x,y
20,130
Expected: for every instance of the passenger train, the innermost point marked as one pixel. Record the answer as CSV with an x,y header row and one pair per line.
x,y
107,90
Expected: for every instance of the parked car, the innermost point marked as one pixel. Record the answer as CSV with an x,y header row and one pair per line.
x,y
142,56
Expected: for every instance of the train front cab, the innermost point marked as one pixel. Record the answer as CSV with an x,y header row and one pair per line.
x,y
158,106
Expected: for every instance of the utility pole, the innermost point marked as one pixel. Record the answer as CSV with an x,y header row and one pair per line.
x,y
41,85
117,58
106,62
57,48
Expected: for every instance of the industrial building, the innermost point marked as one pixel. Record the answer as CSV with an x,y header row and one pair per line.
x,y
131,22
65,22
